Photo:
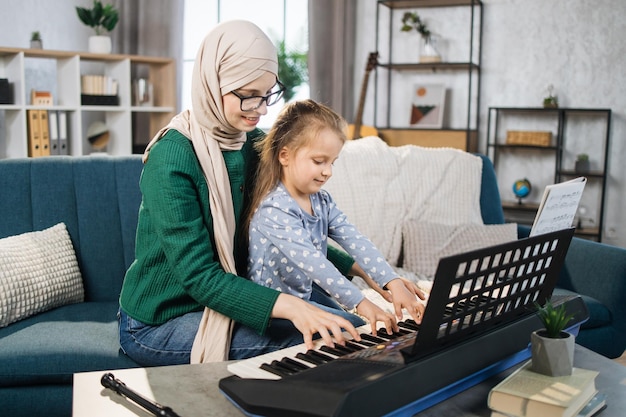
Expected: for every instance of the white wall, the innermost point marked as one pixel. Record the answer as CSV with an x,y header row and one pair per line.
x,y
576,45
56,20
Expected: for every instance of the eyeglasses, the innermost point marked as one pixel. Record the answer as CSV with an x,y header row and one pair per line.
x,y
249,103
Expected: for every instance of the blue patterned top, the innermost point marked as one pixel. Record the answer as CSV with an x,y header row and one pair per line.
x,y
288,248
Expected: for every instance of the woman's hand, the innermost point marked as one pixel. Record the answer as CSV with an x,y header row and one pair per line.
x,y
374,314
309,320
405,294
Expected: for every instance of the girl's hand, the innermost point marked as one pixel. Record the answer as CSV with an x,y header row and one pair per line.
x,y
309,320
357,271
405,295
374,314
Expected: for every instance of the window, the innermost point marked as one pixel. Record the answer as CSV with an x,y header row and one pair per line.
x,y
280,19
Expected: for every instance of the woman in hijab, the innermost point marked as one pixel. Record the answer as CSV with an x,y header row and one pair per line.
x,y
182,299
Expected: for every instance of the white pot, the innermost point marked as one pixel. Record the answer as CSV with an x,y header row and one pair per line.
x,y
100,44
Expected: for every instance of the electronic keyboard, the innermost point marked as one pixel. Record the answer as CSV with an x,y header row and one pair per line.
x,y
477,323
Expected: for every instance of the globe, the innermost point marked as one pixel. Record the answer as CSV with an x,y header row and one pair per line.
x,y
521,189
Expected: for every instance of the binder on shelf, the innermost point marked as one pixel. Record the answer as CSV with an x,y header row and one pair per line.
x,y
63,132
34,133
54,132
44,128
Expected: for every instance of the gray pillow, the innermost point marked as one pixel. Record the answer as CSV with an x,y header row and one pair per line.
x,y
38,272
425,243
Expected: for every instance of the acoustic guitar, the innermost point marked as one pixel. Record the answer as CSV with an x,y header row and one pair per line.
x,y
357,130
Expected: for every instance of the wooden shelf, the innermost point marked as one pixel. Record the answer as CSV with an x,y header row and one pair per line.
x,y
403,4
63,78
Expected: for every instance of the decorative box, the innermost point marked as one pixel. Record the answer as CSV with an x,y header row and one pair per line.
x,y
524,137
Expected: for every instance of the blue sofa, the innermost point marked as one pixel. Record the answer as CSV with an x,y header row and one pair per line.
x,y
98,198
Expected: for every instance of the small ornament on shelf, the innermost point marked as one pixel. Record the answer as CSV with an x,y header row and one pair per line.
x,y
582,164
551,101
35,40
429,53
522,189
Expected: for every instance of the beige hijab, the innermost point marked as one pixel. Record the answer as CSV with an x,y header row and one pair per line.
x,y
232,55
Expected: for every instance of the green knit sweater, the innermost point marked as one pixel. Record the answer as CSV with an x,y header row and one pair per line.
x,y
176,268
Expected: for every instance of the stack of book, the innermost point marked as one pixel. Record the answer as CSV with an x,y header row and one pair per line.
x,y
525,393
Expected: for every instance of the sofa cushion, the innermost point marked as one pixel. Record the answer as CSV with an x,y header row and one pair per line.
x,y
38,272
424,243
49,347
599,314
379,186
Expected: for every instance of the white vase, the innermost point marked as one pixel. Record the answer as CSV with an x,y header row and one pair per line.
x,y
552,356
429,52
100,44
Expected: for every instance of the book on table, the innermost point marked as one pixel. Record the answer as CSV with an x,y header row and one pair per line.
x,y
596,404
525,393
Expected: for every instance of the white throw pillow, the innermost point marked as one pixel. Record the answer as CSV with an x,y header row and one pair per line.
x,y
425,243
38,272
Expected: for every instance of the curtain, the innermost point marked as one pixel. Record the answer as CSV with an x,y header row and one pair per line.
x,y
151,28
332,33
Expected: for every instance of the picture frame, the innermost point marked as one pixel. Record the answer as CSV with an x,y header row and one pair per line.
x,y
427,106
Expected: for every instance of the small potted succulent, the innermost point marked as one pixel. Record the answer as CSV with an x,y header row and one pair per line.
x,y
412,21
582,164
35,40
552,348
103,19
551,101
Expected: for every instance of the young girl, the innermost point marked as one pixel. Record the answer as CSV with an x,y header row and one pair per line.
x,y
288,231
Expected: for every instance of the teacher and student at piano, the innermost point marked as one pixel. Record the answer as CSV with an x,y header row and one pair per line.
x,y
192,293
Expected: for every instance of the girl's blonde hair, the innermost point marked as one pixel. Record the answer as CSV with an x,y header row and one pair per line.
x,y
298,124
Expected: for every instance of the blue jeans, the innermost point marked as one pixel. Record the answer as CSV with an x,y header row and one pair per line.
x,y
170,343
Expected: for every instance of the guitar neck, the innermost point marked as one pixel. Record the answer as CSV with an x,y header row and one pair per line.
x,y
358,120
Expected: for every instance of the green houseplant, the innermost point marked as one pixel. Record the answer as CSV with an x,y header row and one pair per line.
x,y
35,40
582,164
412,21
292,69
103,19
552,348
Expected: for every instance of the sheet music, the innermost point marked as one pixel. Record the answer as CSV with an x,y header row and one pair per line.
x,y
558,206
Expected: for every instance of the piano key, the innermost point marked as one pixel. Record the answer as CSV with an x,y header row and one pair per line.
x,y
309,358
295,364
346,349
253,367
333,350
274,370
283,364
408,326
371,338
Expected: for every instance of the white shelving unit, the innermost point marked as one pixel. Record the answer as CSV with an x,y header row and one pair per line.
x,y
60,73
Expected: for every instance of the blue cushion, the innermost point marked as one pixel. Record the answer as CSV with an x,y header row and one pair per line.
x,y
74,338
97,197
490,203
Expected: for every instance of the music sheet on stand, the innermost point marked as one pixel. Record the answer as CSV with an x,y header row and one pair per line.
x,y
558,206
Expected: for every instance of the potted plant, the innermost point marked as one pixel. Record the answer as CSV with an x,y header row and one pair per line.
x,y
292,69
102,18
35,40
550,101
552,348
582,164
412,21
